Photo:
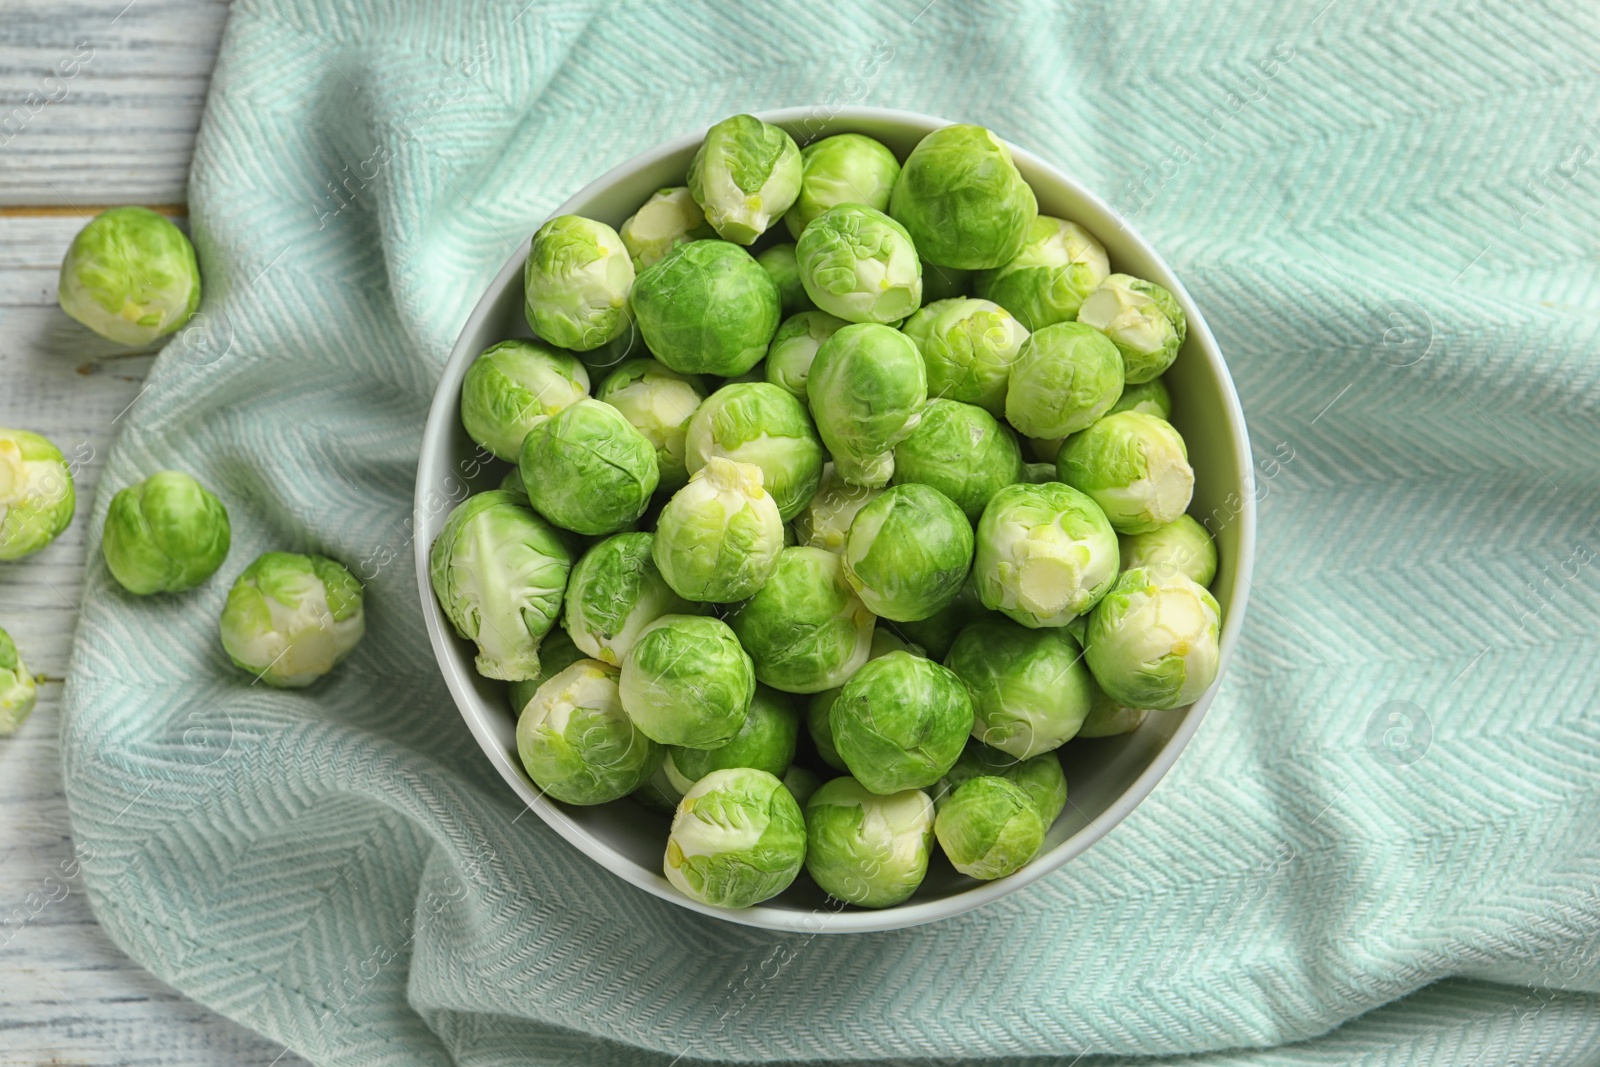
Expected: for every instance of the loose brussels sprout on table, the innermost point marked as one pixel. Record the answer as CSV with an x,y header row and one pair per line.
x,y
1067,376
659,402
844,169
1142,319
1030,689
784,269
859,264
866,391
825,520
765,742
512,387
962,451
718,538
738,838
165,535
969,347
687,682
794,349
130,276
577,281
1135,466
908,552
1039,776
588,470
1045,554
668,219
1049,280
1182,546
745,175
37,497
760,424
707,307
18,693
868,849
962,199
900,723
1153,641
989,827
805,628
577,743
290,618
613,593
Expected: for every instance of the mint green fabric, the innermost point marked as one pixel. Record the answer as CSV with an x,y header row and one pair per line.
x,y
1380,848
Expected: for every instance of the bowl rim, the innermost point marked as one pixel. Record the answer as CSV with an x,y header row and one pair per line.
x,y
441,636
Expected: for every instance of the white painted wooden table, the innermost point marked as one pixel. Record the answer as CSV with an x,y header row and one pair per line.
x,y
99,102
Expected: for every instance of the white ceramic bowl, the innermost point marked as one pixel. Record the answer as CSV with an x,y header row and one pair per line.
x,y
1108,777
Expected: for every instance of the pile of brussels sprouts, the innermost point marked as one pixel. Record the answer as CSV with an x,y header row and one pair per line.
x,y
759,492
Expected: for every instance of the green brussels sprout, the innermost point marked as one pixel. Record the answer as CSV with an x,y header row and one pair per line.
x,y
900,723
867,849
1039,776
130,276
615,591
963,200
744,176
765,742
290,618
1046,282
989,828
556,654
1030,690
499,571
707,307
577,281
962,451
1149,397
1152,641
18,693
847,168
576,742
658,401
588,470
512,387
859,264
37,497
1107,718
668,219
794,348
908,553
825,520
1142,319
738,838
866,390
657,793
760,424
1182,546
1135,466
719,537
1038,473
804,628
884,641
969,347
1045,554
938,631
1067,376
687,682
784,269
944,283
801,783
165,535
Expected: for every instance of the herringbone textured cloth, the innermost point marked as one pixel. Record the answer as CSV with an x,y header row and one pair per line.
x,y
1388,214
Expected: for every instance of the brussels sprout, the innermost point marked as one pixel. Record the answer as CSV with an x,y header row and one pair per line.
x,y
900,722
1142,319
1149,397
658,401
512,387
825,520
668,219
963,200
588,470
18,694
615,591
1047,281
781,266
738,838
1030,690
1107,718
1038,473
1182,546
687,682
499,571
657,793
576,742
130,276
938,631
1040,777
847,168
1135,466
1045,554
866,390
707,307
859,264
165,535
884,641
794,348
760,424
556,654
290,619
867,849
765,742
962,451
577,281
744,176
1152,641
804,628
969,348
944,283
801,783
1067,376
908,553
719,537
37,498
989,828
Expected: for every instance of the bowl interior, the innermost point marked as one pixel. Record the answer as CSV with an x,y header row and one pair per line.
x,y
1107,777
